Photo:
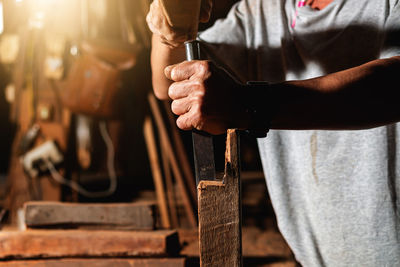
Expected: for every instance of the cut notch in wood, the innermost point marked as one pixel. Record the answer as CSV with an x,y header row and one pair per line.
x,y
220,212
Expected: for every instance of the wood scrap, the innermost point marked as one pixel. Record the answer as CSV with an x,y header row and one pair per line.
x,y
156,171
170,189
167,147
129,216
181,153
79,243
162,262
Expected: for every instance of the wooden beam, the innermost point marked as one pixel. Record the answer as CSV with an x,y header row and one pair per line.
x,y
128,216
220,212
156,171
181,153
170,189
162,262
80,243
188,205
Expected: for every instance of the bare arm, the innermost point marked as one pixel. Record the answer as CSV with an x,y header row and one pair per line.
x,y
362,97
207,99
163,55
167,43
358,98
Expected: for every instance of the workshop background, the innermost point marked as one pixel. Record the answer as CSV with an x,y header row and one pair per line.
x,y
93,169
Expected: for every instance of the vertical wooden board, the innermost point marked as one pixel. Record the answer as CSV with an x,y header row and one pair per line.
x,y
220,213
170,190
167,148
156,170
181,154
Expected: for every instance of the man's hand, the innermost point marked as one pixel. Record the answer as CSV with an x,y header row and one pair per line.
x,y
170,35
205,97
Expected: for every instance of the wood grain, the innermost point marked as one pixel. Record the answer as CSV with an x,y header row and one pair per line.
x,y
220,212
182,154
167,147
162,262
148,132
80,243
170,189
132,216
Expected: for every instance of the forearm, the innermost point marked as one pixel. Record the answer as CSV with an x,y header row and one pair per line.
x,y
358,98
161,57
207,98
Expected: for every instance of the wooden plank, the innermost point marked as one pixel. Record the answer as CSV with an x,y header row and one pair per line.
x,y
170,189
80,243
156,171
167,147
132,216
182,154
220,213
162,262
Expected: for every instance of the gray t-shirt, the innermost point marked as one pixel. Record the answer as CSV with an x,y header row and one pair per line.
x,y
336,193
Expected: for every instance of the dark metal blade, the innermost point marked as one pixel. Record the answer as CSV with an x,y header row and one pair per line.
x,y
203,148
203,152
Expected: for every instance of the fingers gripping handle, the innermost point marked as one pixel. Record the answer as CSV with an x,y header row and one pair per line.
x,y
203,148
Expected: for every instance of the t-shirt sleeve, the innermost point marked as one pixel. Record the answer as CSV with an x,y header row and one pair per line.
x,y
226,41
391,46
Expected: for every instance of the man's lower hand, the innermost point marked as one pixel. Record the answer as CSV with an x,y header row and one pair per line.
x,y
205,97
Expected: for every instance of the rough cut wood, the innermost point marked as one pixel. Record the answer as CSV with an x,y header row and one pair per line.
x,y
220,213
166,262
80,243
133,216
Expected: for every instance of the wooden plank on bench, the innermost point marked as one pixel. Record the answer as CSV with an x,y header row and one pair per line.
x,y
162,262
220,212
118,216
84,243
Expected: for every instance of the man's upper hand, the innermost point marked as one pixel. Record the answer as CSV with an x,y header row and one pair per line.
x,y
205,97
170,35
